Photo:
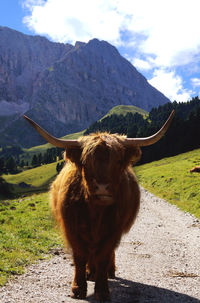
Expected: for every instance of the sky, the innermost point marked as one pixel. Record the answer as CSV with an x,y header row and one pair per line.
x,y
160,38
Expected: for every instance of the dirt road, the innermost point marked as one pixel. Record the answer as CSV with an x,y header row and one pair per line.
x,y
157,262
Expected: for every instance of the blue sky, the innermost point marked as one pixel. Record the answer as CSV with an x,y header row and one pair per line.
x,y
160,38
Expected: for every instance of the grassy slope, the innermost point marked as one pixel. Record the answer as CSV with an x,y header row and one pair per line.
x,y
27,230
37,178
124,109
27,233
170,179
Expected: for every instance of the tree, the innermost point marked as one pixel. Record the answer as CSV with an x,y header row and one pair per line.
x,y
11,165
39,159
2,165
59,166
34,161
22,163
4,187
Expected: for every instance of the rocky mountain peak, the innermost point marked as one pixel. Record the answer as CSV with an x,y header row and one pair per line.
x,y
63,87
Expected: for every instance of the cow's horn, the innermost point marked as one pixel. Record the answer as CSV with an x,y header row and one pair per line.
x,y
152,139
51,139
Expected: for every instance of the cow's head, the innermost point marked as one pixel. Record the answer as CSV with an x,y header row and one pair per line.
x,y
102,159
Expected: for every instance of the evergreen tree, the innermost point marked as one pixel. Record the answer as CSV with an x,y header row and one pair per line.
x,y
34,161
39,159
4,187
11,165
2,165
22,163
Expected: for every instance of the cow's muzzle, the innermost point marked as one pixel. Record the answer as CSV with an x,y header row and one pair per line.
x,y
102,193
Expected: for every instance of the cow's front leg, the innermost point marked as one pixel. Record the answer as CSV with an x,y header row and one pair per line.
x,y
79,284
102,293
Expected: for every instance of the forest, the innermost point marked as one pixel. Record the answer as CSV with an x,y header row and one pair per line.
x,y
182,136
11,159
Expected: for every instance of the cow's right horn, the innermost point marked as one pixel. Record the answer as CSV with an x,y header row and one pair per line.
x,y
51,139
152,139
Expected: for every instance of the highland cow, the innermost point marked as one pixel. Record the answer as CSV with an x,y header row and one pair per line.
x,y
95,199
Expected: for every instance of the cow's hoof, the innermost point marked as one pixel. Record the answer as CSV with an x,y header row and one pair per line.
x,y
102,296
78,292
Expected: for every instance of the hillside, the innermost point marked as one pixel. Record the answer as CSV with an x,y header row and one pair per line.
x,y
32,180
170,179
64,88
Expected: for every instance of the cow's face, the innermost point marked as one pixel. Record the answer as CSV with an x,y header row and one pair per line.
x,y
102,169
102,162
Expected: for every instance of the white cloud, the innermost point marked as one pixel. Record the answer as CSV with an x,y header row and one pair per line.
x,y
170,85
195,82
70,21
141,64
171,28
167,29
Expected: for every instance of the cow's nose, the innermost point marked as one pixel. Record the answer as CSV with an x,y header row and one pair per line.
x,y
101,189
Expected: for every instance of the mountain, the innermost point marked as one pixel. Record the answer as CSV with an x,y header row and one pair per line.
x,y
64,88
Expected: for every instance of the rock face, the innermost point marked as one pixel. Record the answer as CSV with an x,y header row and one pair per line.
x,y
63,87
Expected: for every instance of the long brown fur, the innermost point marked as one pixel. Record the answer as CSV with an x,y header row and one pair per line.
x,y
91,225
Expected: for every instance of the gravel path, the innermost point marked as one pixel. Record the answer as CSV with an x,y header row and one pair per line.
x,y
158,261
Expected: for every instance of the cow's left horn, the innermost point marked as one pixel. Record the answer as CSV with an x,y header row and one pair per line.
x,y
51,139
152,139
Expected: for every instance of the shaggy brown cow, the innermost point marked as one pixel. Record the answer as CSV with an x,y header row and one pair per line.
x,y
95,198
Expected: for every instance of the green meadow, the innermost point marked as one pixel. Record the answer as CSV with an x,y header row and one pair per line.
x,y
27,233
27,229
124,109
35,179
170,179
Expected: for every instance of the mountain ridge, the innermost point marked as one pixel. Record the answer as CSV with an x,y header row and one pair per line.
x,y
62,87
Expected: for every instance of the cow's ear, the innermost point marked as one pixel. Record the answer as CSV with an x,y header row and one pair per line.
x,y
73,154
132,154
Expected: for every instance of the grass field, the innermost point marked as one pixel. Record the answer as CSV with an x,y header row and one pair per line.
x,y
170,178
27,229
36,179
124,109
27,233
